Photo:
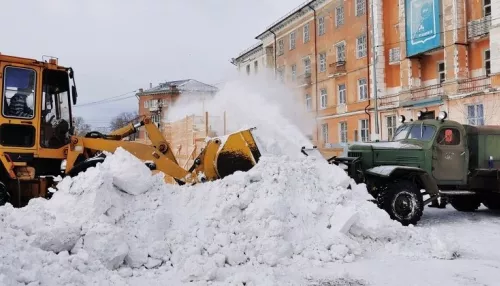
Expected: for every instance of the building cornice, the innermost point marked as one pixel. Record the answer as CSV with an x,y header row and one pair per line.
x,y
250,51
291,17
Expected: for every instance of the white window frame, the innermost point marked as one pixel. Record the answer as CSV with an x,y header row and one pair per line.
x,y
486,62
443,72
339,16
321,26
292,40
337,47
322,62
362,89
323,98
255,67
364,129
306,34
324,132
146,103
343,132
360,7
294,72
485,7
361,50
307,67
473,120
391,125
308,102
281,74
281,47
342,94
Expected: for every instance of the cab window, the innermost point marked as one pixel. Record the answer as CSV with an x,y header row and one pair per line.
x,y
19,92
448,136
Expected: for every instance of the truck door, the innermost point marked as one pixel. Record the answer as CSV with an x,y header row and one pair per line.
x,y
450,156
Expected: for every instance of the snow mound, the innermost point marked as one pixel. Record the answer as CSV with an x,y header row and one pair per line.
x,y
118,223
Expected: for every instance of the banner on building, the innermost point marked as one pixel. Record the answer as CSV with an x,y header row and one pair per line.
x,y
423,27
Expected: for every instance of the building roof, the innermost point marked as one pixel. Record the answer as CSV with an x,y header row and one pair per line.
x,y
185,85
253,48
292,14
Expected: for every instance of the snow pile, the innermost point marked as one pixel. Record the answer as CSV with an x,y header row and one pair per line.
x,y
284,212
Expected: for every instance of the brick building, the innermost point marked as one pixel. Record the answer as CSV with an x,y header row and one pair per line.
x,y
325,49
157,100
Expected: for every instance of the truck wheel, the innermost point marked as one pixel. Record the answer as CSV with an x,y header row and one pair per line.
x,y
83,166
403,202
465,203
492,202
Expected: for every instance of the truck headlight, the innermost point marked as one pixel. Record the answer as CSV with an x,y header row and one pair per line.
x,y
442,115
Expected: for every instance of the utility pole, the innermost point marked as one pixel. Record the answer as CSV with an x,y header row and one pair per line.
x,y
374,74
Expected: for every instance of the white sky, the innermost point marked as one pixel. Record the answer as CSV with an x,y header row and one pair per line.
x,y
117,46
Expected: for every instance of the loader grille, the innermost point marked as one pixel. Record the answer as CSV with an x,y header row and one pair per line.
x,y
354,154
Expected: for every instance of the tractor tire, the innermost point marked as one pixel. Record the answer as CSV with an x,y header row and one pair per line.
x,y
403,201
492,202
83,166
465,203
4,194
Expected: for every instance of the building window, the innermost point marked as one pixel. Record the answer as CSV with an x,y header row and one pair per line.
x,y
362,89
343,132
487,65
324,98
294,72
307,66
360,7
342,93
340,52
322,62
361,46
363,128
391,126
487,8
248,69
441,72
146,103
306,33
281,74
321,24
256,66
292,40
475,114
308,102
281,48
339,16
324,132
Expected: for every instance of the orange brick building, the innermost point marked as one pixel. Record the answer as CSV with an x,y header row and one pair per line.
x,y
156,101
430,54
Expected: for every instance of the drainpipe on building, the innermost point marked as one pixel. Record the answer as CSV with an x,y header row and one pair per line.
x,y
315,69
275,53
377,129
368,65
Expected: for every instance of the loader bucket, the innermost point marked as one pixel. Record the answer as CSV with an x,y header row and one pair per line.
x,y
225,155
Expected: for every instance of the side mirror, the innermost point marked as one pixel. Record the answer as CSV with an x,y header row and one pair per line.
x,y
74,94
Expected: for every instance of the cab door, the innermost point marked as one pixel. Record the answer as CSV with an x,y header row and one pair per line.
x,y
450,156
18,121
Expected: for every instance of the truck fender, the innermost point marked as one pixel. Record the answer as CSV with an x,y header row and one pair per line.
x,y
393,172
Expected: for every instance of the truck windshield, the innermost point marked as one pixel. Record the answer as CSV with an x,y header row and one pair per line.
x,y
415,131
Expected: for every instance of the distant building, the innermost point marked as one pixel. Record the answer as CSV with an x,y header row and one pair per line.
x,y
157,100
253,59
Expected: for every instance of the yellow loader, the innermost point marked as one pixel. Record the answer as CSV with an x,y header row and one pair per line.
x,y
36,141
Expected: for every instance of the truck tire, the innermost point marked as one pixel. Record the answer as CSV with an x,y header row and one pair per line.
x,y
492,202
403,201
465,203
83,166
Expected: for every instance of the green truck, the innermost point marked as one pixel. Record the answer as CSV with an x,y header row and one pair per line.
x,y
432,159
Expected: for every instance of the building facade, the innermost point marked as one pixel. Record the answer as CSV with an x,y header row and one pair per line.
x,y
156,101
358,73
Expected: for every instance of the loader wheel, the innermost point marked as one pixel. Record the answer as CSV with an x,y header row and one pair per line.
x,y
403,202
465,203
4,194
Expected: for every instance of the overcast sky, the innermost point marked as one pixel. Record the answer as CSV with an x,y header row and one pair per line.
x,y
118,46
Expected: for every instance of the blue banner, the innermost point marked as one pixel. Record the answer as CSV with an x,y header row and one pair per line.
x,y
423,27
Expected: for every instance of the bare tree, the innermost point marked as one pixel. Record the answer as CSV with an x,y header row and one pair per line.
x,y
81,128
459,110
123,119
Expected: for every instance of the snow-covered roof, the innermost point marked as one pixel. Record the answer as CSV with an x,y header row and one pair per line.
x,y
186,85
